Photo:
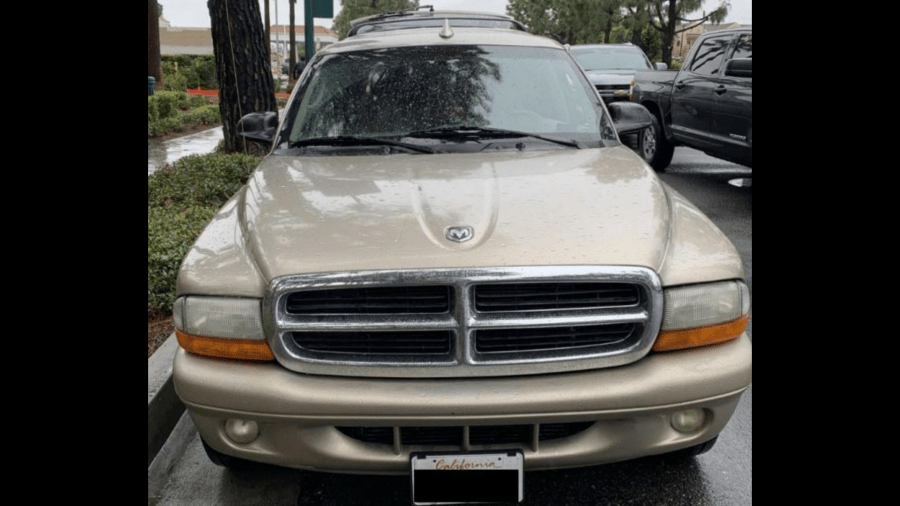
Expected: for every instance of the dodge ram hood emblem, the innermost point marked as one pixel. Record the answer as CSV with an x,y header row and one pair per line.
x,y
459,234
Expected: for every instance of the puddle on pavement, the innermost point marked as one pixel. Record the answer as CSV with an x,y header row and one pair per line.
x,y
195,144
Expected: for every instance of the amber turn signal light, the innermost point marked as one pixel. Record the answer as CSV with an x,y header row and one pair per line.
x,y
700,336
241,349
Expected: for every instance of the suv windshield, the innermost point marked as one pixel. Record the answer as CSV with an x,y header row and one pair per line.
x,y
611,58
447,98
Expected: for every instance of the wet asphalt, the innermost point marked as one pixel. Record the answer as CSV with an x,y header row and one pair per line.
x,y
195,144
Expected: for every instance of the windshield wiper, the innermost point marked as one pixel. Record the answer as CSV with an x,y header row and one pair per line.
x,y
477,133
349,140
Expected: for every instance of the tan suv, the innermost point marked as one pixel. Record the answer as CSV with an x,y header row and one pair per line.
x,y
449,266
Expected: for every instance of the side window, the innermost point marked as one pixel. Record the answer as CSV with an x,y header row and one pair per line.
x,y
709,55
744,48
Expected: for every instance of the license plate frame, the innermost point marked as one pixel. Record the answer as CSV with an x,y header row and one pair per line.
x,y
467,477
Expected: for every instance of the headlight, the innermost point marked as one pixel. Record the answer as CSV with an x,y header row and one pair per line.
x,y
699,315
221,327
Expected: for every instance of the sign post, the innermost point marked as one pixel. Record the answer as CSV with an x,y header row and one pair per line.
x,y
314,9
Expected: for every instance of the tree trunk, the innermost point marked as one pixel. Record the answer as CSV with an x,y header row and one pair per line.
x,y
154,61
669,33
245,79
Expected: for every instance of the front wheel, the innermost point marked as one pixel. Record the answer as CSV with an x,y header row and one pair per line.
x,y
654,148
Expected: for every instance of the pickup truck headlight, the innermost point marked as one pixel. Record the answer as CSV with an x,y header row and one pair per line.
x,y
224,327
700,315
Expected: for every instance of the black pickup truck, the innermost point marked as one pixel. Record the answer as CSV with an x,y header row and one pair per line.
x,y
707,105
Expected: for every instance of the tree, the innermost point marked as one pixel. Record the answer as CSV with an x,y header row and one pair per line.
x,y
154,62
568,21
666,14
353,9
242,68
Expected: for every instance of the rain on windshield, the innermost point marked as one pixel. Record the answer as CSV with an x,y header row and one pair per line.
x,y
398,91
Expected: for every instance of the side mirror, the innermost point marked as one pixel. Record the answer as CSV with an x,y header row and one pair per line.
x,y
259,126
629,118
739,67
661,66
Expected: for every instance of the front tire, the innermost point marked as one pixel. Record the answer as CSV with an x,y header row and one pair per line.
x,y
654,148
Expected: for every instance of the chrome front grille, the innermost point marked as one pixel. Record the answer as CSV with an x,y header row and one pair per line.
x,y
463,322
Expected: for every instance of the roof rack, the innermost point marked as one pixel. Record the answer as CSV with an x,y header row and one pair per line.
x,y
417,18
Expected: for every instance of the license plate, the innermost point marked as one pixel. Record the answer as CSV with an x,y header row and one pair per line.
x,y
467,477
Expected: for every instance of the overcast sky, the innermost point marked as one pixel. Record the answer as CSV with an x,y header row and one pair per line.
x,y
194,13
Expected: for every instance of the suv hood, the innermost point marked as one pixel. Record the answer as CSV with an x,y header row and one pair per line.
x,y
575,207
611,76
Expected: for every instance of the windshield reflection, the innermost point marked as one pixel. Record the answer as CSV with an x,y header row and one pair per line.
x,y
395,92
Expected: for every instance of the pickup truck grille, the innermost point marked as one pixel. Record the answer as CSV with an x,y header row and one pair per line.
x,y
435,342
376,300
463,323
542,296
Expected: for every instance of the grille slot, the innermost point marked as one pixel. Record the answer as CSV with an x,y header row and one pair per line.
x,y
479,435
552,338
376,343
544,296
371,300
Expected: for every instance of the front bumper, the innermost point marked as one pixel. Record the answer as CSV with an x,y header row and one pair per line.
x,y
297,414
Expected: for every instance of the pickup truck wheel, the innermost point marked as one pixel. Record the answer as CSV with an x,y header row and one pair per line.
x,y
654,148
226,461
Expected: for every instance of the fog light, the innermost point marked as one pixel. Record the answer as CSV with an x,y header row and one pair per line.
x,y
241,431
688,420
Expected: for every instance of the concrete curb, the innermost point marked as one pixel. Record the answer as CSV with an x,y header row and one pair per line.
x,y
164,409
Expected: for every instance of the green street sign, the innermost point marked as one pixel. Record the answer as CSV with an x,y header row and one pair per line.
x,y
322,8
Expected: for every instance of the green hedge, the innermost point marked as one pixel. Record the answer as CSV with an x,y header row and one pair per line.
x,y
181,199
170,234
172,111
194,71
166,104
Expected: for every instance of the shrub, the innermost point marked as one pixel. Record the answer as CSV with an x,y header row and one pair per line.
x,y
181,199
164,126
176,82
205,180
152,109
168,103
170,234
203,72
205,115
164,116
195,101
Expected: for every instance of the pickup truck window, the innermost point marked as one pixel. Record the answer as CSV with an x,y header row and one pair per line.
x,y
744,47
710,54
392,94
